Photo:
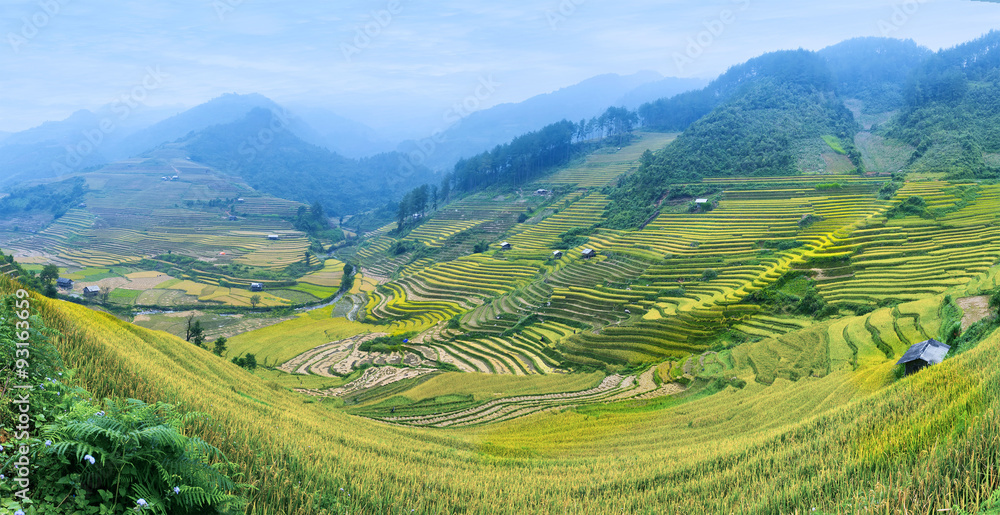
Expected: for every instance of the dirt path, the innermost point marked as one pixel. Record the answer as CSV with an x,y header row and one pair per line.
x,y
372,378
820,276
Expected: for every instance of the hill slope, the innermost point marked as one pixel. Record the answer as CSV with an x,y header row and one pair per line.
x,y
952,113
829,443
264,150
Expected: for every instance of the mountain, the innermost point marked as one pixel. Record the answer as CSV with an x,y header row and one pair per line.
x,y
271,158
771,116
652,91
83,140
952,112
874,70
341,135
227,108
482,130
53,148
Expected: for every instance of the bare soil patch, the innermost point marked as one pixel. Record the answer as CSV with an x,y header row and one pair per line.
x,y
975,309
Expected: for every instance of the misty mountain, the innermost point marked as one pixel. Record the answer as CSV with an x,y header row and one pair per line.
x,y
227,108
52,148
341,135
478,131
664,88
263,150
874,70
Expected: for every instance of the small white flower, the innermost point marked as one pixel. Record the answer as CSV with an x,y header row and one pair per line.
x,y
177,490
142,503
48,443
90,459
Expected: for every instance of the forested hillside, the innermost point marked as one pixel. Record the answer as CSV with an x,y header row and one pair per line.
x,y
272,159
874,70
778,105
952,113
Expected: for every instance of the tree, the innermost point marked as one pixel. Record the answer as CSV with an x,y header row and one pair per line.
x,y
307,257
995,301
248,362
220,346
105,293
254,300
197,334
49,274
187,334
445,187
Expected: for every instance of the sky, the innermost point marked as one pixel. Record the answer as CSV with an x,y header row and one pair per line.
x,y
398,64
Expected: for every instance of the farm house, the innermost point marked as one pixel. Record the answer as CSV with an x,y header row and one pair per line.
x,y
588,253
273,237
920,355
256,287
505,246
557,254
91,290
62,282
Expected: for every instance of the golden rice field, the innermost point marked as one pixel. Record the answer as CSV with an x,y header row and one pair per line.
x,y
848,442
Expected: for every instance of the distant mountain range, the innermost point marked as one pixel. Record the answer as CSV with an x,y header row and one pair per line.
x,y
482,130
89,139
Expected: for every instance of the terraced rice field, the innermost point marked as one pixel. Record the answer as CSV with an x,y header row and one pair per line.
x,y
599,169
910,258
132,213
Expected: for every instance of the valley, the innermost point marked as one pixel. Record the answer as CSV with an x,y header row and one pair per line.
x,y
720,302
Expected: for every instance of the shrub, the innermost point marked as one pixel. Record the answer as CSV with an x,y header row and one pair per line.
x,y
127,455
521,218
480,247
709,274
248,362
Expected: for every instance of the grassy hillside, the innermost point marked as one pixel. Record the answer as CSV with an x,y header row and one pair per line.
x,y
845,442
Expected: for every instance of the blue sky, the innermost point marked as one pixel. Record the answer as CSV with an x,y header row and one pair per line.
x,y
418,57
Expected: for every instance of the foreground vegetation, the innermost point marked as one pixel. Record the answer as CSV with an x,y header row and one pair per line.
x,y
853,440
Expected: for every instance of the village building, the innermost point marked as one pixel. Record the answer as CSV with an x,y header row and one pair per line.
x,y
505,246
256,287
62,282
91,290
588,253
923,354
